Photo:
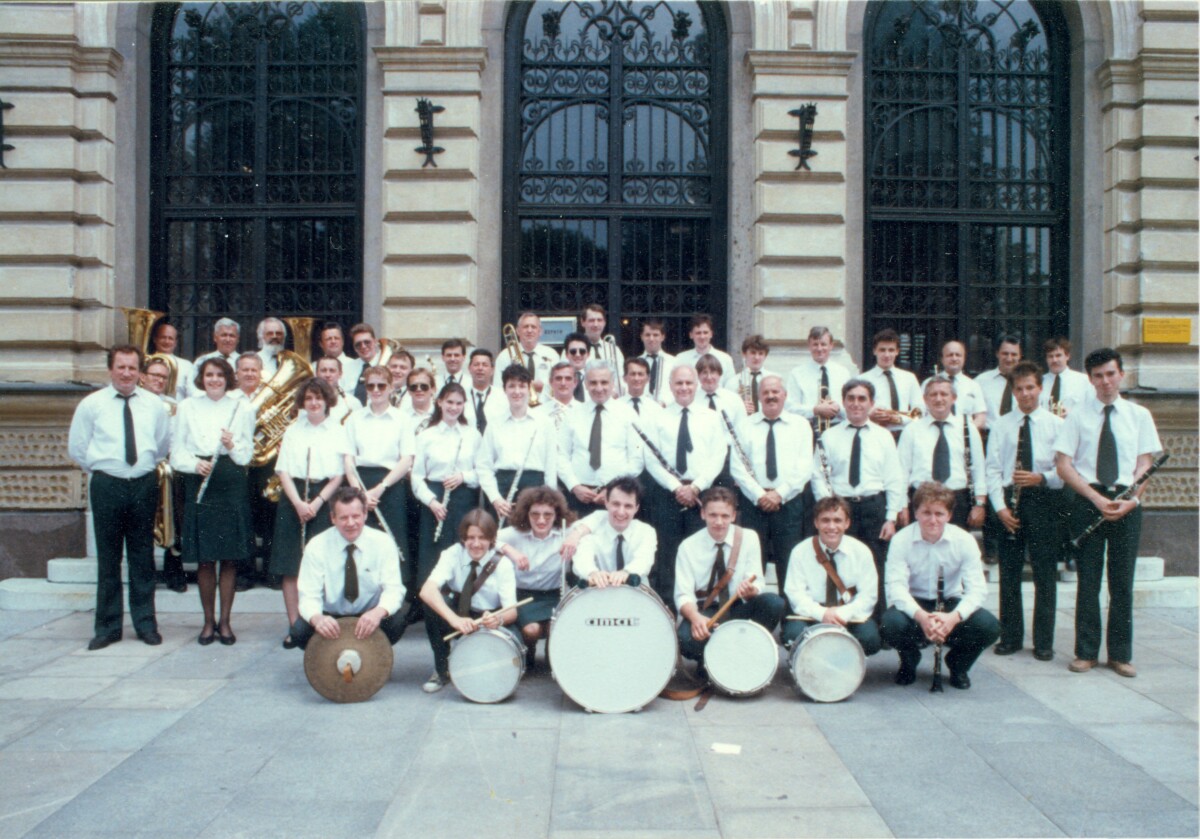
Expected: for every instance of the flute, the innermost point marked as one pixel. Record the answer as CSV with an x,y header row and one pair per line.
x,y
307,481
382,521
216,456
1122,496
437,531
479,621
512,490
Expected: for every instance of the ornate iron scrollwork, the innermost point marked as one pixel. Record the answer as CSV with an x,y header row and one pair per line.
x,y
807,115
425,112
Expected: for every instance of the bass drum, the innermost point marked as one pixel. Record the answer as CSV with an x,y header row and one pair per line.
x,y
612,650
741,657
487,665
827,663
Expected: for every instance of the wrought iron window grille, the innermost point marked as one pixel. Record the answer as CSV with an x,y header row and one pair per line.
x,y
807,116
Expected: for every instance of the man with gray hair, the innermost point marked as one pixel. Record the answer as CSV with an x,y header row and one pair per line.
x,y
814,386
596,441
226,333
271,337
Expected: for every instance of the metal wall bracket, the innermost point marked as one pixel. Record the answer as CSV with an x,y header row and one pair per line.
x,y
426,110
4,106
807,114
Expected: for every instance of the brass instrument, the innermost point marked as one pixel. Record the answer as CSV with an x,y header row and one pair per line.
x,y
273,403
140,322
745,391
164,515
387,348
302,331
516,355
894,417
822,424
609,352
1058,408
429,365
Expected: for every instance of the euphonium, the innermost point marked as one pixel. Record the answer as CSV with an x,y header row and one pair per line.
x,y
302,331
273,407
387,348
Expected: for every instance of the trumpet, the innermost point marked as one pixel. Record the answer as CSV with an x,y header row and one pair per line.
x,y
894,417
516,355
746,390
610,353
1058,408
822,424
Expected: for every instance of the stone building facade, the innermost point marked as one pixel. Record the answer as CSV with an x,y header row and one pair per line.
x,y
77,233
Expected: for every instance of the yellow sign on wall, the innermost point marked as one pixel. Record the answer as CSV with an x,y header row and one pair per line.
x,y
1166,330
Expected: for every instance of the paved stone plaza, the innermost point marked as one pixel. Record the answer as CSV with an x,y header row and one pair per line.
x,y
182,740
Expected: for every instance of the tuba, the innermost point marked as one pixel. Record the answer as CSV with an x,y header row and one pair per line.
x,y
141,324
273,403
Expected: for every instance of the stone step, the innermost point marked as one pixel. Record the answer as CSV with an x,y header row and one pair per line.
x,y
83,569
1149,569
33,594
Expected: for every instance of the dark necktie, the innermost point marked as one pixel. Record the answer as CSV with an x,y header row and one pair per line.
x,y
637,406
683,445
130,434
620,552
578,386
718,571
594,440
856,458
529,362
824,394
941,454
712,402
480,416
772,462
654,374
754,389
892,392
1025,445
831,592
1006,399
1106,455
468,590
360,387
351,584
450,379
1056,390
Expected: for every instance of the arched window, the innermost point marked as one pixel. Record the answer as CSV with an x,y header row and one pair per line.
x,y
256,174
615,151
966,149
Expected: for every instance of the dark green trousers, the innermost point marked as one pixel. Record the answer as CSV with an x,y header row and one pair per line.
x,y
1038,537
123,519
1120,540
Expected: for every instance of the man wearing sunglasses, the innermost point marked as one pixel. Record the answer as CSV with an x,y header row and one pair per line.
x,y
576,353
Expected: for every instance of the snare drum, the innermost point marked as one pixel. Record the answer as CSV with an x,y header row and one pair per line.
x,y
827,663
741,657
487,665
612,649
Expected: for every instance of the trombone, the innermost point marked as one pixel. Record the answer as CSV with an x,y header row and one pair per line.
x,y
516,355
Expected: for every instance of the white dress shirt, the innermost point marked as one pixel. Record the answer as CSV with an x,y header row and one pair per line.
x,y
917,444
598,550
378,439
745,379
495,404
528,443
908,389
697,555
270,364
660,380
992,383
1002,451
191,389
704,461
804,386
620,447
198,428
880,469
543,359
322,580
793,456
1132,426
499,589
610,352
806,576
913,565
968,398
545,562
351,371
690,357
442,450
725,400
97,438
556,412
1073,390
646,410
326,442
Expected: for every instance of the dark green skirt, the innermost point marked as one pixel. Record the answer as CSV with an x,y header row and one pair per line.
x,y
541,609
286,547
219,528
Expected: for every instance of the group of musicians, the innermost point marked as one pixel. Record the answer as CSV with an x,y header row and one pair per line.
x,y
459,492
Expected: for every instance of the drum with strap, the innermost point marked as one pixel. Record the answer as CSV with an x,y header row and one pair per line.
x,y
487,665
741,657
827,663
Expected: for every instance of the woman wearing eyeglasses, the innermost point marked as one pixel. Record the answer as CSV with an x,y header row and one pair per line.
x,y
377,458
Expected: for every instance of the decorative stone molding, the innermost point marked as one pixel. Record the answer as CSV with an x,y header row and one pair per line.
x,y
58,490
33,448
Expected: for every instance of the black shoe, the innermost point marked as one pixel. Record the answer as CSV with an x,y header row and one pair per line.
x,y
178,585
243,584
530,656
102,641
907,674
227,640
204,640
960,680
277,584
150,637
289,643
1006,649
1044,655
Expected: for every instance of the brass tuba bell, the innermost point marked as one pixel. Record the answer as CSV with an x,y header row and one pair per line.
x,y
141,327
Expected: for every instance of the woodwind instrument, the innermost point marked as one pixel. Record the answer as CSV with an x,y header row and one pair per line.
x,y
378,515
516,482
738,446
671,470
307,482
939,605
479,621
1015,506
437,531
826,473
216,456
967,455
1126,494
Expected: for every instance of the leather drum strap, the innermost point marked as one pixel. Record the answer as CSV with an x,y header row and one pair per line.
x,y
831,571
723,583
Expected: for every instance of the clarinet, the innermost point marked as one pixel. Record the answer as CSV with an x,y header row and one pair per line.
x,y
1015,506
671,470
512,490
216,456
437,531
738,446
1121,496
967,457
936,687
825,470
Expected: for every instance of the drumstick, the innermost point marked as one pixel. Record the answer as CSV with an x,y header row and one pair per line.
x,y
487,615
728,603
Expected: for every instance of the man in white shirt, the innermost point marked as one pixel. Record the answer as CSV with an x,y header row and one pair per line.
x,y
701,332
349,570
454,356
577,352
659,363
647,411
815,385
1025,493
333,344
691,451
330,371
969,399
997,391
164,340
226,333
597,442
535,356
779,448
154,377
832,579
1105,445
118,436
745,384
1062,387
562,402
611,545
602,347
936,590
896,390
272,334
709,571
485,403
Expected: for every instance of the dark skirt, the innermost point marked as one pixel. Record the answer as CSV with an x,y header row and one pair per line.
x,y
393,506
286,547
541,609
219,528
458,504
504,481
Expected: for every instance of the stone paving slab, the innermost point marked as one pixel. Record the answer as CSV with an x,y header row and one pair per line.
x,y
183,740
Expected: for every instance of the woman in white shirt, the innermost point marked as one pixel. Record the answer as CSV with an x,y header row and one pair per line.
x,y
443,476
214,440
310,466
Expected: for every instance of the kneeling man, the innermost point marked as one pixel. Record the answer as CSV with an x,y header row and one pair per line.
x,y
929,561
349,571
714,565
832,579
